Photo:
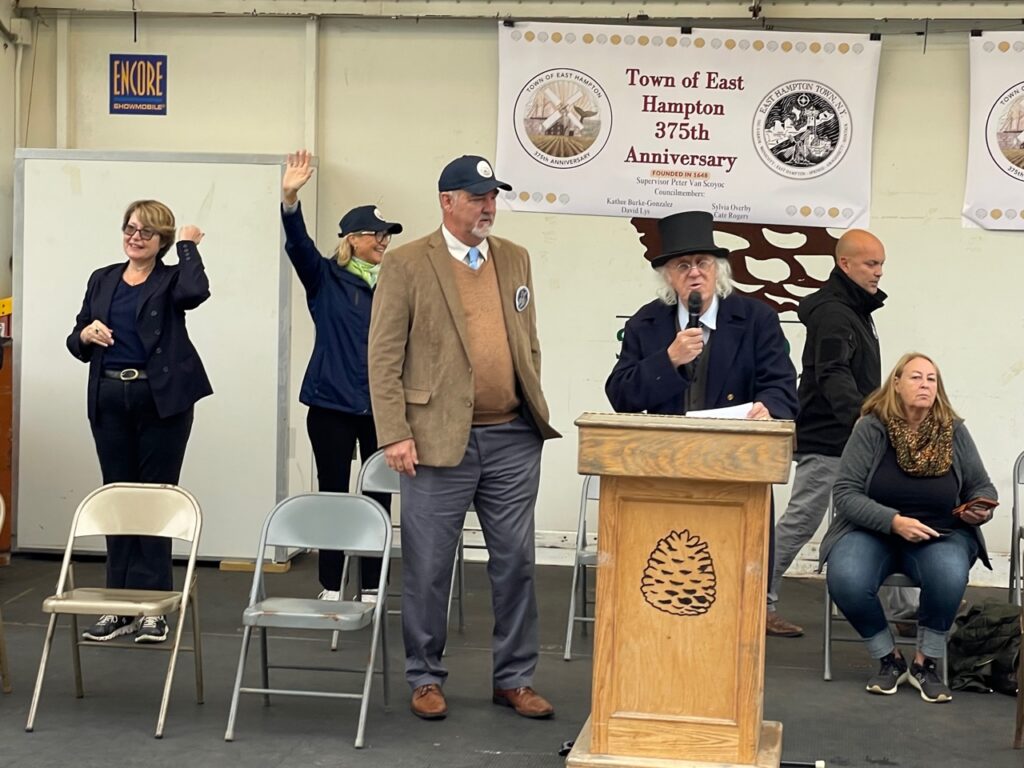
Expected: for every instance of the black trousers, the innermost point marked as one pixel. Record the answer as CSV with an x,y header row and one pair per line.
x,y
135,445
333,435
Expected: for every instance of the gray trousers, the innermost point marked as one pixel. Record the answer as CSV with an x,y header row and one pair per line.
x,y
499,475
812,491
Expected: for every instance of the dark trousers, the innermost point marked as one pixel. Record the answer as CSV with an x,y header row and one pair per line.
x,y
333,435
135,445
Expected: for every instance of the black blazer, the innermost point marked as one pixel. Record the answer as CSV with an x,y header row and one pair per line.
x,y
749,361
176,374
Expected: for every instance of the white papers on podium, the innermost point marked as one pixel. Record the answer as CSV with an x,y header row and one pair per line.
x,y
729,412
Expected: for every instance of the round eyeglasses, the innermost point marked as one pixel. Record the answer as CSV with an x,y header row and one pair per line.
x,y
704,264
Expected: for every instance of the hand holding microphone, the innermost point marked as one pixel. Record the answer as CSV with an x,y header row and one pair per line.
x,y
688,344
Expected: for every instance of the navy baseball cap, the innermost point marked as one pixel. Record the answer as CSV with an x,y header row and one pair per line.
x,y
366,218
471,173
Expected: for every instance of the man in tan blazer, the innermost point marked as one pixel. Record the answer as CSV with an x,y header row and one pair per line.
x,y
455,387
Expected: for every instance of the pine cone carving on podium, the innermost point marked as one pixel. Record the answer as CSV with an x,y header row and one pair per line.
x,y
680,575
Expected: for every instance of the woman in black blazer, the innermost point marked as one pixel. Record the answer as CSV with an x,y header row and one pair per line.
x,y
144,378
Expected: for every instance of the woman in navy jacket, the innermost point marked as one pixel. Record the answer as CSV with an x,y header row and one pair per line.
x,y
144,378
339,293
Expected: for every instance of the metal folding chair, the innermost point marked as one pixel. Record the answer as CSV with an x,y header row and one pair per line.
x,y
356,525
1016,532
130,509
832,614
375,476
5,672
585,557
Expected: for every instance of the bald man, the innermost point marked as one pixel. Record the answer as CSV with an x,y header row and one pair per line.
x,y
841,366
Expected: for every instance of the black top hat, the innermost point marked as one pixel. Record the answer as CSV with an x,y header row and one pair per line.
x,y
366,218
471,173
687,232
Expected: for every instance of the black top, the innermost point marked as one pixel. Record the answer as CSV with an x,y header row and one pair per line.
x,y
127,350
841,363
928,499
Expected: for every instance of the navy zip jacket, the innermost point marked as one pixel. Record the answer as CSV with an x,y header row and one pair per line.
x,y
340,304
177,378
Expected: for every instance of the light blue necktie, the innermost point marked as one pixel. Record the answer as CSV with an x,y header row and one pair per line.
x,y
473,257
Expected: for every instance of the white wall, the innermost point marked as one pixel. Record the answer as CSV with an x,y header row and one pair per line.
x,y
386,127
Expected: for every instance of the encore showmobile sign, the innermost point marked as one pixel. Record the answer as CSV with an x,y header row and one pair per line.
x,y
994,197
765,127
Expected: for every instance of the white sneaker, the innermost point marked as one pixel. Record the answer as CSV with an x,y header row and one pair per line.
x,y
329,594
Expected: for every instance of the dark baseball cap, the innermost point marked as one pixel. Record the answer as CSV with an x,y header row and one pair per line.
x,y
471,173
366,218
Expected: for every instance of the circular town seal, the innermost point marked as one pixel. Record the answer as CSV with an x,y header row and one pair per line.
x,y
802,129
562,118
1004,132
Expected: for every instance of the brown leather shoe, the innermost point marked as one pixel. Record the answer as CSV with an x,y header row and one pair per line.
x,y
525,701
428,702
776,626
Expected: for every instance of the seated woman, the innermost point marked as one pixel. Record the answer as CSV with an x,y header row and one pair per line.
x,y
909,497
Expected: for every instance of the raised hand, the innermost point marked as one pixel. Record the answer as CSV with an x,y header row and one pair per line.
x,y
297,172
191,232
97,333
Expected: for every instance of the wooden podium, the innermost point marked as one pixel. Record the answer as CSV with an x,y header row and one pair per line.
x,y
682,577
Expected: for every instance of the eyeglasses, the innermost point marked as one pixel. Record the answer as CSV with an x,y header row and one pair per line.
x,y
145,234
380,237
704,264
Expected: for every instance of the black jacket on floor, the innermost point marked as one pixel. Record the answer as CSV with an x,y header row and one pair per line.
x,y
841,363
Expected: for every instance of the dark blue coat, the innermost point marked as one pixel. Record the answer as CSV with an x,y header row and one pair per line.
x,y
177,378
340,304
748,363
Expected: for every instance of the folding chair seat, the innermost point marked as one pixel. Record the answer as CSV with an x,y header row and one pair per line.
x,y
131,509
353,524
5,672
585,557
1016,532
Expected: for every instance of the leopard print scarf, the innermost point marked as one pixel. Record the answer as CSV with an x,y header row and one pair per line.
x,y
927,452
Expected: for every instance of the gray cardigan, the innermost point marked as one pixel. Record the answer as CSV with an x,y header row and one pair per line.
x,y
861,457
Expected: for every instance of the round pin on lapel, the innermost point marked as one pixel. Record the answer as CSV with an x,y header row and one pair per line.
x,y
522,298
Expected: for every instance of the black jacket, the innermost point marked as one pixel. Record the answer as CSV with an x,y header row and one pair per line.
x,y
841,363
177,378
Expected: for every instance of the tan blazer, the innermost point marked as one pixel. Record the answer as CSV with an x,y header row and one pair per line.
x,y
421,382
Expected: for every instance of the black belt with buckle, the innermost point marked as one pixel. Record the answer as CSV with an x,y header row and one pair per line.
x,y
127,374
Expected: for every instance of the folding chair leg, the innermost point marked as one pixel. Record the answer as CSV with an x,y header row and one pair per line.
x,y
76,658
584,590
5,672
197,646
451,587
42,672
364,703
827,642
171,663
384,658
229,734
567,655
462,585
264,669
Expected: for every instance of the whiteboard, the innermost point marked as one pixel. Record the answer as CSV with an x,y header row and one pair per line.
x,y
68,209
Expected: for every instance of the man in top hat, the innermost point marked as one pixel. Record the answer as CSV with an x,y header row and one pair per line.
x,y
736,354
455,388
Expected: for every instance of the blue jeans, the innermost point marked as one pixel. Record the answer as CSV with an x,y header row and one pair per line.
x,y
861,560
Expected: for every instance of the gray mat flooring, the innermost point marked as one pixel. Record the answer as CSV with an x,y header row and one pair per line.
x,y
113,725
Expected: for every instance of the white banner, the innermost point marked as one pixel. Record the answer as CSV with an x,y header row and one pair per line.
x,y
765,127
994,195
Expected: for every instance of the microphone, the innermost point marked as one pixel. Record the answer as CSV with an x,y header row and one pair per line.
x,y
693,305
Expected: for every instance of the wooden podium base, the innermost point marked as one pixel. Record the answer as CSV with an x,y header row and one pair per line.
x,y
769,754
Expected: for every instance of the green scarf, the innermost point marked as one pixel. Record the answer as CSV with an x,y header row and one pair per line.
x,y
364,269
